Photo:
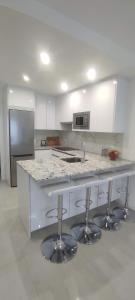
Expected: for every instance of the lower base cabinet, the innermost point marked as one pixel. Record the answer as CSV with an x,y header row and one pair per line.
x,y
37,210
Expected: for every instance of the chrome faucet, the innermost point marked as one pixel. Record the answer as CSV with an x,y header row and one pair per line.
x,y
84,152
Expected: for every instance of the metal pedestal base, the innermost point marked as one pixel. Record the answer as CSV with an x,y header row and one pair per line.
x,y
86,234
58,251
121,213
107,222
124,214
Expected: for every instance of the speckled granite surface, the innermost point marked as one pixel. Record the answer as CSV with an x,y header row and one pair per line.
x,y
54,168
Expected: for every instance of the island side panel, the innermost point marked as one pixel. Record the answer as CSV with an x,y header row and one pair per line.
x,y
44,208
23,187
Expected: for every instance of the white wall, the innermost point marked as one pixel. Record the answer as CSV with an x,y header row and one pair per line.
x,y
2,165
3,132
129,136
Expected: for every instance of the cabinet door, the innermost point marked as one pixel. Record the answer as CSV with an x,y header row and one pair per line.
x,y
43,209
40,113
50,211
102,194
102,107
77,201
119,187
50,114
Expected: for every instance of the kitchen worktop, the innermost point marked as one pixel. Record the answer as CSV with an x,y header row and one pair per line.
x,y
42,148
56,169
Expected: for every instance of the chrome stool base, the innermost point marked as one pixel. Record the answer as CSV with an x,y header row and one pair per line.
x,y
121,213
59,250
89,234
124,213
107,222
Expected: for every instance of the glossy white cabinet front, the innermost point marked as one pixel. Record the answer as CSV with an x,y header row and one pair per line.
x,y
106,101
44,112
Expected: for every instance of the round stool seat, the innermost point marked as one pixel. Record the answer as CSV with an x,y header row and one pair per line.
x,y
59,250
86,234
107,222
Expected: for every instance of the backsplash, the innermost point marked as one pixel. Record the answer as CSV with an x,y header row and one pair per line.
x,y
43,134
94,142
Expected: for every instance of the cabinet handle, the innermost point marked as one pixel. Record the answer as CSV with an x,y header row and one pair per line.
x,y
82,206
100,194
49,216
118,190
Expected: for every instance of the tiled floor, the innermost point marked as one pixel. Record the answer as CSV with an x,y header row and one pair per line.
x,y
103,271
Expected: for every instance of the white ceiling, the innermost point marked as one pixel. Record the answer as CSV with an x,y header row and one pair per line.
x,y
114,19
22,37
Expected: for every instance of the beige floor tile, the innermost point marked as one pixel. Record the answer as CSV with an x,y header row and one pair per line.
x,y
103,271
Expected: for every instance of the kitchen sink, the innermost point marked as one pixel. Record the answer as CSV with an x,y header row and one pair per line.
x,y
72,159
64,148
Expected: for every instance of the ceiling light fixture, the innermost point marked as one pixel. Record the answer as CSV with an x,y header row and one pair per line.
x,y
115,82
64,86
26,78
11,91
45,58
84,91
91,74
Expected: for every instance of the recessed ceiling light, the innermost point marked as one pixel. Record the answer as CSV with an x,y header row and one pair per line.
x,y
64,86
11,91
91,74
84,91
45,58
26,77
115,81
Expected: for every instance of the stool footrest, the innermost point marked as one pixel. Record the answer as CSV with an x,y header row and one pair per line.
x,y
107,222
86,234
59,250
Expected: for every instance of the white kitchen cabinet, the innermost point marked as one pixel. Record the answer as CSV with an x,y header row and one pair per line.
x,y
50,114
44,112
44,212
77,202
40,113
119,187
21,99
106,101
102,194
108,106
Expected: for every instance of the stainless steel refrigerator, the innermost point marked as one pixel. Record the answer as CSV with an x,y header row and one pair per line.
x,y
21,139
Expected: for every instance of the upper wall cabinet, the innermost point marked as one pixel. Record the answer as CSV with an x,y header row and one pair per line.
x,y
44,113
21,99
107,102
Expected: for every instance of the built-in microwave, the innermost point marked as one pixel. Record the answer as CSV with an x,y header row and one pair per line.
x,y
81,120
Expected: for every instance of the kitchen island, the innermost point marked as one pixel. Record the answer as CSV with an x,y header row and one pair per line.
x,y
38,178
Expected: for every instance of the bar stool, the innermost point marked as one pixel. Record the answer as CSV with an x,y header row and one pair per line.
x,y
87,232
124,213
107,221
60,247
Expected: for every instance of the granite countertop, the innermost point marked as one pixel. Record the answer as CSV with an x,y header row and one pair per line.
x,y
55,168
42,148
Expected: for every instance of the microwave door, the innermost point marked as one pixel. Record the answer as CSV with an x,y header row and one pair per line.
x,y
79,121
